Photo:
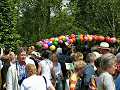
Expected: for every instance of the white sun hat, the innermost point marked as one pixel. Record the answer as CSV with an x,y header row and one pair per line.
x,y
104,45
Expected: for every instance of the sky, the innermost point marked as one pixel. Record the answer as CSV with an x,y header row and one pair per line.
x,y
64,2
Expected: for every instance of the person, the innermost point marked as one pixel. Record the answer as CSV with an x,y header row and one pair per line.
x,y
12,58
34,81
89,70
75,78
78,56
17,72
6,64
45,66
104,48
108,65
58,72
117,76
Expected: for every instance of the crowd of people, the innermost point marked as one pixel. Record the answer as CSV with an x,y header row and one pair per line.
x,y
66,68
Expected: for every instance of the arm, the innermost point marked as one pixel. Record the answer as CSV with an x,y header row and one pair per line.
x,y
39,69
51,87
9,79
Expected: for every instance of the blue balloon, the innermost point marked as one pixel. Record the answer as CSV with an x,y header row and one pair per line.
x,y
49,44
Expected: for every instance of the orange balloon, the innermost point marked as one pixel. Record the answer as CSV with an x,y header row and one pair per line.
x,y
81,37
89,37
71,41
60,37
52,39
74,40
101,38
72,35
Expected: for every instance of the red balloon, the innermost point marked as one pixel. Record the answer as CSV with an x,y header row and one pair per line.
x,y
108,39
52,39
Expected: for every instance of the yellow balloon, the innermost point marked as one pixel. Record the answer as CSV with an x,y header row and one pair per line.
x,y
52,48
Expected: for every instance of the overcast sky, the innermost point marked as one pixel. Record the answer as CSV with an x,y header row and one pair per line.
x,y
64,2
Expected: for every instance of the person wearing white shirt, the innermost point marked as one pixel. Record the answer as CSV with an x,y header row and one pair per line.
x,y
108,66
17,72
45,66
35,82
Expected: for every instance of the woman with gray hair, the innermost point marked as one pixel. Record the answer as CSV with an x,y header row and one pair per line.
x,y
108,66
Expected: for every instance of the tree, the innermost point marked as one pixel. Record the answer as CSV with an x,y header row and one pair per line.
x,y
99,16
8,34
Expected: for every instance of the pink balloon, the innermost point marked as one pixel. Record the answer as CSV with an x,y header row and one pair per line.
x,y
68,41
45,46
113,40
67,38
60,41
46,41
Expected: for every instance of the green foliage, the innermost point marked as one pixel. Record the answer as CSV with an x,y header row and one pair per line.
x,y
8,19
32,19
99,16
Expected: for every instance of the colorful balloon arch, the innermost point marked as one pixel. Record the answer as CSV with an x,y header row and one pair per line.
x,y
53,42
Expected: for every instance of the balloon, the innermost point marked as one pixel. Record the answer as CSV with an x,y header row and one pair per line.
x,y
89,37
71,41
56,39
101,38
63,38
113,40
60,41
49,44
85,38
68,41
52,48
74,40
108,39
46,41
96,38
67,38
55,43
81,38
60,37
52,39
73,35
45,46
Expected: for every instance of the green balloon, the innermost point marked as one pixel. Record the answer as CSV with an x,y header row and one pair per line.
x,y
56,39
55,43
